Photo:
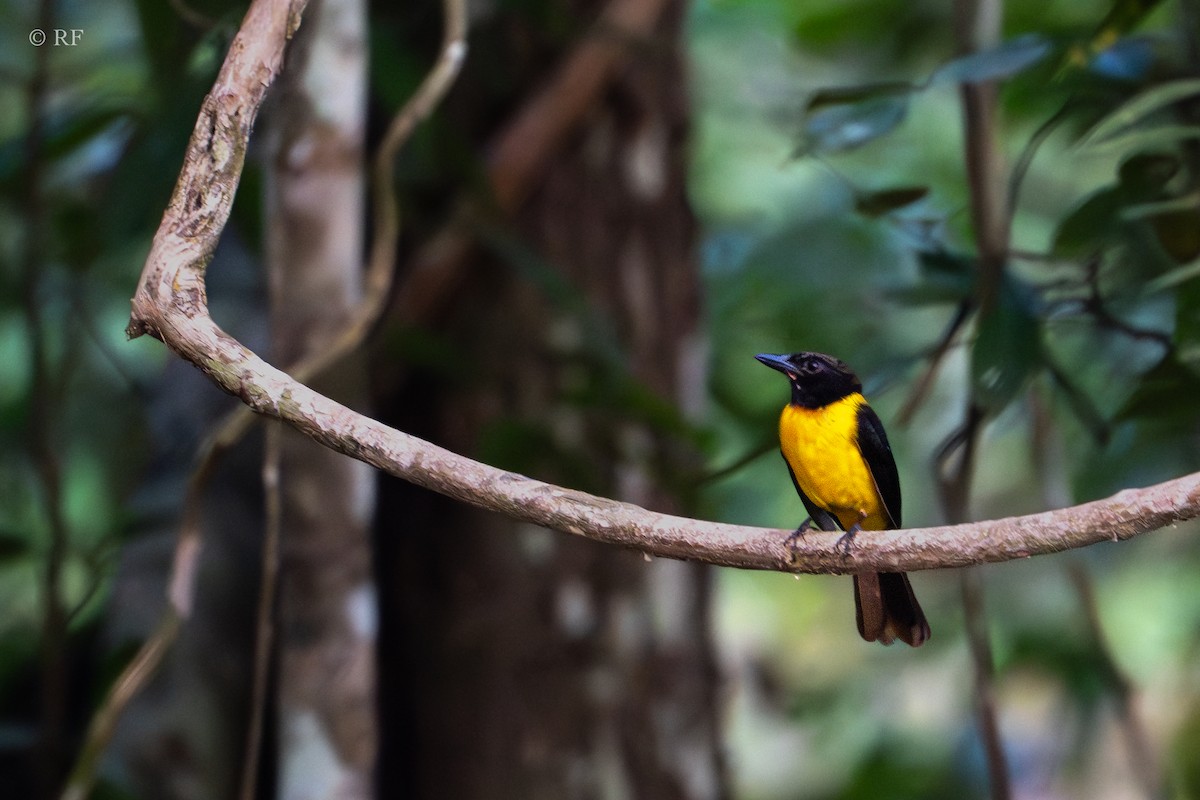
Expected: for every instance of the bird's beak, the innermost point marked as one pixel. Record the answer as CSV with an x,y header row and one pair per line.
x,y
777,362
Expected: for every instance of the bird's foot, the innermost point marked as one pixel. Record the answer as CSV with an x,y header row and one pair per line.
x,y
795,536
846,539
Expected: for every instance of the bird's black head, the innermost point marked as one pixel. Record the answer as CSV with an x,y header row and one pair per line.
x,y
817,379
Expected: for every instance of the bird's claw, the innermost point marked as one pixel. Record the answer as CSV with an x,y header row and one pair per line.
x,y
798,534
846,539
795,536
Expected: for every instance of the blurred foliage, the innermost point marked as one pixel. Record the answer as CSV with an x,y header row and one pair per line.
x,y
90,141
829,170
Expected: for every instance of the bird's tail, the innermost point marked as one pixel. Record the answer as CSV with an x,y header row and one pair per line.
x,y
888,610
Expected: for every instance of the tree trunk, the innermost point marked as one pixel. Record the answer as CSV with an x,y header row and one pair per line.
x,y
524,662
327,610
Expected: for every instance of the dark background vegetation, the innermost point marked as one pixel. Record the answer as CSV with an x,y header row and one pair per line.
x,y
824,220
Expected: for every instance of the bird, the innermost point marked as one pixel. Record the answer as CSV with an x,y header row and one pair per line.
x,y
842,466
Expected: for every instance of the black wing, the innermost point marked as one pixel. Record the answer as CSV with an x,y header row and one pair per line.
x,y
823,519
873,444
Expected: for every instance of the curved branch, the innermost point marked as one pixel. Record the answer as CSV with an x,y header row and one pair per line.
x,y
216,152
170,304
187,329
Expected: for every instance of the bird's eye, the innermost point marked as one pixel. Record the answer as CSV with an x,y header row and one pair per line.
x,y
810,366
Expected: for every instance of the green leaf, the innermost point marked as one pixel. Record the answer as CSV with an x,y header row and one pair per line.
x,y
1123,17
844,118
943,262
839,128
1140,106
12,547
1173,278
885,201
1085,228
1149,138
945,278
1143,175
1187,318
848,95
1178,232
1007,348
65,134
1079,667
1009,58
1081,405
1166,392
1160,207
1184,746
206,56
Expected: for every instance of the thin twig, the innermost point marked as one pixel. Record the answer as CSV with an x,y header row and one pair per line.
x,y
264,642
1141,755
228,113
921,387
97,560
43,404
194,18
87,322
954,465
378,278
985,695
237,423
749,457
519,154
978,26
104,721
1096,305
1025,159
381,263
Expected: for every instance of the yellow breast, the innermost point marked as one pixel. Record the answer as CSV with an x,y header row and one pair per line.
x,y
821,447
